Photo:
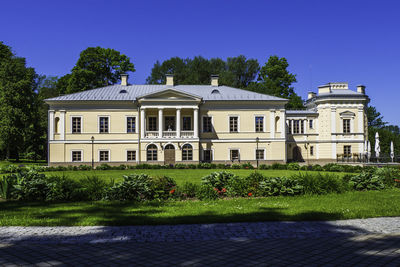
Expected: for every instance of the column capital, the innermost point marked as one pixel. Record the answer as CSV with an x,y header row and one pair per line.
x,y
160,108
178,108
195,108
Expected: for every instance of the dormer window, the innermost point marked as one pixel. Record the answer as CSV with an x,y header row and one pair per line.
x,y
123,91
215,91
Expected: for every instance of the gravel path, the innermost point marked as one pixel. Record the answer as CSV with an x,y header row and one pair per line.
x,y
200,232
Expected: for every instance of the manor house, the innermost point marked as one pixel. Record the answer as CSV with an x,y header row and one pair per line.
x,y
169,124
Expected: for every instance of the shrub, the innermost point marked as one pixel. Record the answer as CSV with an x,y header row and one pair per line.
x,y
274,186
242,186
207,192
293,166
218,180
181,166
204,165
264,167
62,188
30,186
366,181
6,186
192,166
320,183
278,166
133,187
103,167
247,165
235,166
143,166
93,188
387,175
163,187
221,166
317,167
84,167
188,190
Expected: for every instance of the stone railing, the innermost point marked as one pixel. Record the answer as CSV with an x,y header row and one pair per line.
x,y
186,134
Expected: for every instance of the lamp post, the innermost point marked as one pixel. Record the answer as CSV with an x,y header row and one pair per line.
x,y
257,140
92,138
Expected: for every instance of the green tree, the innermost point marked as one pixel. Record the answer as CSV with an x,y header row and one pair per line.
x,y
17,101
96,67
375,119
274,79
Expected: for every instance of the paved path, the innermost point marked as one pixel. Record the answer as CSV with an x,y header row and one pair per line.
x,y
346,243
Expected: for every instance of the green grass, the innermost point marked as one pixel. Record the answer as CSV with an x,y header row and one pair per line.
x,y
180,176
323,207
22,162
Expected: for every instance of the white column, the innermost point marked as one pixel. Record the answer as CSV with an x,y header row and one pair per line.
x,y
291,126
195,122
361,122
283,124
305,126
272,123
51,125
160,122
178,122
333,130
62,124
142,122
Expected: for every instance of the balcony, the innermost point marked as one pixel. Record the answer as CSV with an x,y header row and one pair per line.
x,y
169,134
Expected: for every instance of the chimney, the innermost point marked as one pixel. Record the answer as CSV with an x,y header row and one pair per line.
x,y
324,89
311,95
361,89
170,79
214,80
124,79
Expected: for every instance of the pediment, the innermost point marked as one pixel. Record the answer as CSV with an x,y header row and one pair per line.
x,y
347,114
169,95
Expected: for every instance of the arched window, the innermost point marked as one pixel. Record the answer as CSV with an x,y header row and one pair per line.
x,y
152,153
56,124
187,152
277,124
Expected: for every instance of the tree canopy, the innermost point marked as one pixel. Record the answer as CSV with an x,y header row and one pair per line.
x,y
96,67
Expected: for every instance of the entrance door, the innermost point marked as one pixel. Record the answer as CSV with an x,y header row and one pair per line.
x,y
297,157
169,155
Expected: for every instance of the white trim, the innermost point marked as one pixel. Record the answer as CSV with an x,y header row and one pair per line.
x,y
98,123
95,142
170,143
264,154
229,154
202,123
98,155
136,155
76,150
229,123
255,124
62,125
136,123
272,123
51,124
70,123
144,106
152,143
187,143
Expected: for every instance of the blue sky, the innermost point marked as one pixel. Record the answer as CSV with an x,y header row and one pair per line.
x,y
324,41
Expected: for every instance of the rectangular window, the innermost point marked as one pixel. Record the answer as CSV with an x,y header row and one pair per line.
x,y
187,123
76,156
311,124
298,126
207,124
130,124
233,124
104,156
259,154
311,150
347,151
103,125
259,124
346,126
290,126
152,125
207,155
234,154
169,124
301,126
76,125
131,155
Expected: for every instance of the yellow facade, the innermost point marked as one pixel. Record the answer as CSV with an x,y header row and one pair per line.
x,y
170,127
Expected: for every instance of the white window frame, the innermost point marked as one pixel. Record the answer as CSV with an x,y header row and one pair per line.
x,y
229,154
255,124
76,150
191,122
109,155
192,152
350,128
76,116
313,150
136,156
264,153
136,123
229,123
148,123
109,123
158,150
202,124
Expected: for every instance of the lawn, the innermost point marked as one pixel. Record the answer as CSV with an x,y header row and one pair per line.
x,y
180,176
22,162
317,207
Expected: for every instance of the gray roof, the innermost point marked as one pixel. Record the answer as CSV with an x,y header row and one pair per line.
x,y
342,92
300,112
133,92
